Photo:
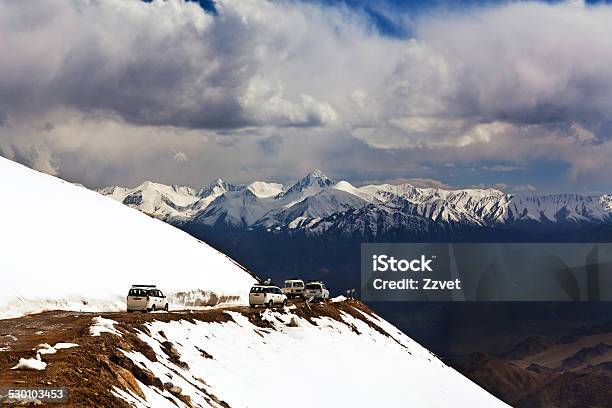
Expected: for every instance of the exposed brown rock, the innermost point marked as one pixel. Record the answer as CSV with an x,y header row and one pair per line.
x,y
128,381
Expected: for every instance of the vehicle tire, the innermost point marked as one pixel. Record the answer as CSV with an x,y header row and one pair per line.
x,y
285,303
271,304
153,308
166,307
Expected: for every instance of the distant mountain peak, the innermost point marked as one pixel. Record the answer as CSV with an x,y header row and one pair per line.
x,y
146,184
316,180
217,187
216,183
316,173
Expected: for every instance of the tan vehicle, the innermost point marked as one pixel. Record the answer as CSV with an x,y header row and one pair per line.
x,y
293,288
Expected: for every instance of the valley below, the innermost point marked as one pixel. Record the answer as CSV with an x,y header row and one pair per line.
x,y
574,370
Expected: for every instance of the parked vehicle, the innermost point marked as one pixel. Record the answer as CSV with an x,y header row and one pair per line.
x,y
316,290
262,295
293,288
146,298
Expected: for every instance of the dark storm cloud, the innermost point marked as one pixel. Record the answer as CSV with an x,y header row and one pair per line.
x,y
155,64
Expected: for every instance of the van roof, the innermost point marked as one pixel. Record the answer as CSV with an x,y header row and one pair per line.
x,y
294,280
144,286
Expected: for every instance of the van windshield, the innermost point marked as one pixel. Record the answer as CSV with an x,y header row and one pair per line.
x,y
137,292
258,289
313,286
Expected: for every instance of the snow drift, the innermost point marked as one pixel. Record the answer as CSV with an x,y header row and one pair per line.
x,y
66,247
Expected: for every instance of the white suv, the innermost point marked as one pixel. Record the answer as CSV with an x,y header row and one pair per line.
x,y
146,298
316,291
269,296
293,288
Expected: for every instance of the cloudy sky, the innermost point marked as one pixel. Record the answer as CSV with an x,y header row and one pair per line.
x,y
514,95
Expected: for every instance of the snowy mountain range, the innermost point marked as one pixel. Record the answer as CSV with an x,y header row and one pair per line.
x,y
317,204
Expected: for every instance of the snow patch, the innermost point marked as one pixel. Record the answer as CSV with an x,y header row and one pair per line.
x,y
62,346
101,325
30,364
47,349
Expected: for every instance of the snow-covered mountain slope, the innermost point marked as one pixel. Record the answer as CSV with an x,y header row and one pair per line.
x,y
333,356
553,208
240,208
66,247
264,190
314,207
303,205
372,221
155,198
330,368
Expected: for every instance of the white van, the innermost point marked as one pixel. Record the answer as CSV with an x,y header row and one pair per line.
x,y
262,295
316,290
146,298
293,288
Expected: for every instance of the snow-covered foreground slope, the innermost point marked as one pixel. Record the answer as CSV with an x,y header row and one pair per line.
x,y
335,356
66,247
